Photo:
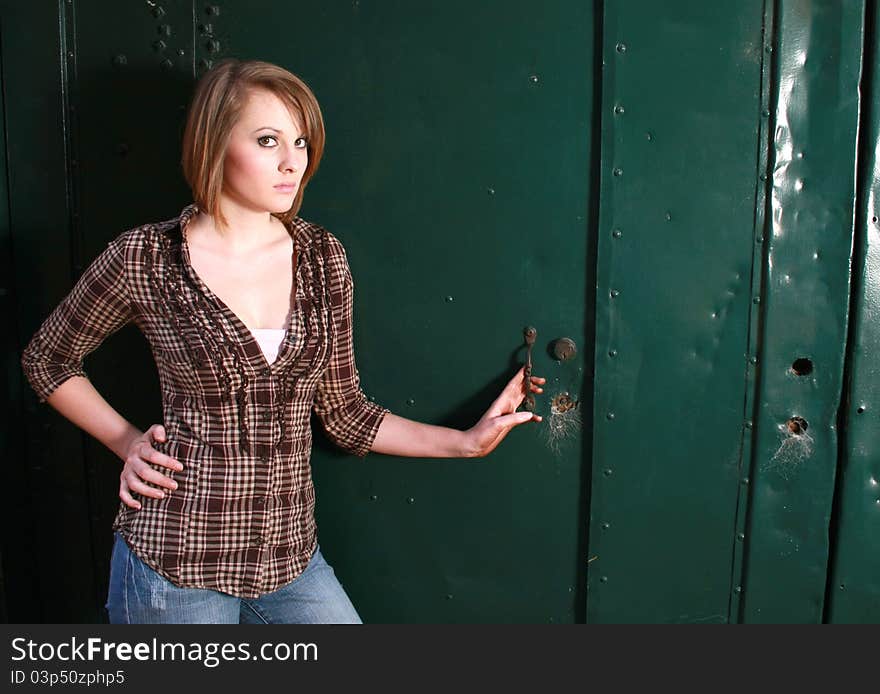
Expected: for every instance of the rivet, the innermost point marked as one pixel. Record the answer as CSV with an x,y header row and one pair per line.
x,y
617,233
158,12
748,424
740,536
207,28
164,30
603,579
768,49
605,526
607,472
212,10
166,64
533,79
491,191
765,113
668,216
649,135
612,353
843,586
449,299
69,54
609,416
411,402
120,59
759,239
615,293
373,497
181,51
738,589
449,596
621,48
619,109
744,480
763,176
753,360
213,45
617,172
410,500
159,45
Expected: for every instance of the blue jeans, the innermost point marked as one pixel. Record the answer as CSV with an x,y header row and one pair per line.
x,y
139,595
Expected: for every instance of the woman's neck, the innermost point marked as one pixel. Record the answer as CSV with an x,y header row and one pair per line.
x,y
244,228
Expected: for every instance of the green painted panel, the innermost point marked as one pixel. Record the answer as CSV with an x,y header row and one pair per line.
x,y
818,50
680,143
457,174
854,590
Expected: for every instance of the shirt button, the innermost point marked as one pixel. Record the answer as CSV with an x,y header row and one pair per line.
x,y
259,540
259,503
264,458
266,415
266,371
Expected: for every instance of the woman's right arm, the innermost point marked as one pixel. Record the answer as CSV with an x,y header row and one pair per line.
x,y
77,400
98,305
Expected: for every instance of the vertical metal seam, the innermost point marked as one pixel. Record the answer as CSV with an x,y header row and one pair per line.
x,y
859,251
595,200
69,119
194,23
67,31
603,270
760,245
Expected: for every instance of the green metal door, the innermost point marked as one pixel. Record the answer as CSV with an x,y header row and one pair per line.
x,y
684,190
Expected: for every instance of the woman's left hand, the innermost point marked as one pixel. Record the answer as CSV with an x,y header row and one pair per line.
x,y
501,417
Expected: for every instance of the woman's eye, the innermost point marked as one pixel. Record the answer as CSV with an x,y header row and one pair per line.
x,y
300,143
264,140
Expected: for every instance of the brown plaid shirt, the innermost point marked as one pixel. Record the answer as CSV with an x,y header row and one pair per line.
x,y
242,519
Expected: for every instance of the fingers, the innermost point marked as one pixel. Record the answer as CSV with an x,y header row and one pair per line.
x,y
126,497
508,421
151,455
148,474
157,433
139,477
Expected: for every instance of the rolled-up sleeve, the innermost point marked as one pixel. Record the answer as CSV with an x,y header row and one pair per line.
x,y
97,306
350,419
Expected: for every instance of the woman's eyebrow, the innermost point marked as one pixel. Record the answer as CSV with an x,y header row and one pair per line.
x,y
274,130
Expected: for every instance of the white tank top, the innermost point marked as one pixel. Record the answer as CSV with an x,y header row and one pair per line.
x,y
269,340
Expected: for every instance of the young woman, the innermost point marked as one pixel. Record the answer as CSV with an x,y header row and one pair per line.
x,y
248,311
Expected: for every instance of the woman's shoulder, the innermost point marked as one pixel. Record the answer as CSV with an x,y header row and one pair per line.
x,y
152,236
311,236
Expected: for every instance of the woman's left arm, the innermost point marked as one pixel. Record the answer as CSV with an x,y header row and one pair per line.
x,y
405,437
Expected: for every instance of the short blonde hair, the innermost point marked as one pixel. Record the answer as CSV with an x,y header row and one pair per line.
x,y
215,108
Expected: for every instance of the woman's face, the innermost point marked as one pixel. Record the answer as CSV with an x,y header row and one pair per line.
x,y
266,157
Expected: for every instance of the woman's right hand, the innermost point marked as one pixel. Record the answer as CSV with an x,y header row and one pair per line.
x,y
137,470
